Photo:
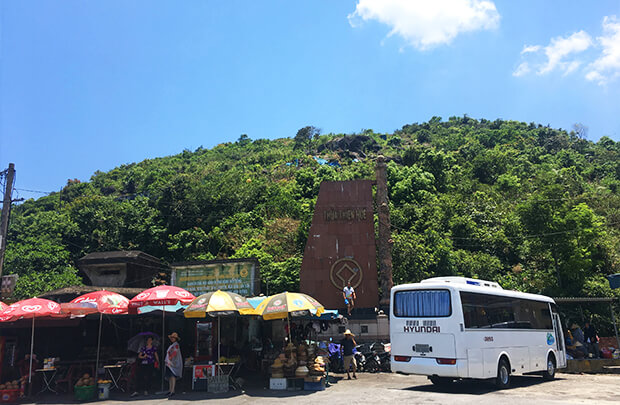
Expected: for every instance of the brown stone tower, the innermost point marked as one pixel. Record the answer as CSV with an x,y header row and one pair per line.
x,y
341,245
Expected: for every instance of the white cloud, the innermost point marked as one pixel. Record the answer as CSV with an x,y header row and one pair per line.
x,y
426,24
522,69
607,66
530,49
558,55
562,55
559,48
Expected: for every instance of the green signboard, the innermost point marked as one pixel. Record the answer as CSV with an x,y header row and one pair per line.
x,y
228,275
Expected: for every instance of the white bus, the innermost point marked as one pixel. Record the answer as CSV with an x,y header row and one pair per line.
x,y
449,328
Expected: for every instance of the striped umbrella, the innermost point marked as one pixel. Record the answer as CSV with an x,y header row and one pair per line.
x,y
282,305
279,306
218,303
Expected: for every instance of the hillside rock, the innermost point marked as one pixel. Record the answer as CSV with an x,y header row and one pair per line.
x,y
354,146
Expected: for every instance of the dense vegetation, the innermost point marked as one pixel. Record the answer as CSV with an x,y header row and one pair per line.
x,y
535,208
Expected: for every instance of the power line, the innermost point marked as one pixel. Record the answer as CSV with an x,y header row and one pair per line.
x,y
34,191
524,237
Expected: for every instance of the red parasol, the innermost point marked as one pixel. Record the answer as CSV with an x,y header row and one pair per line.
x,y
160,296
103,302
30,309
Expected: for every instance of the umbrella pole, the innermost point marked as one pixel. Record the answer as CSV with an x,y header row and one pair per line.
x,y
98,346
162,363
31,352
288,320
219,340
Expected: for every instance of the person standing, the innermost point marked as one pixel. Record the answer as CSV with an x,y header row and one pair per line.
x,y
147,360
348,293
348,344
174,362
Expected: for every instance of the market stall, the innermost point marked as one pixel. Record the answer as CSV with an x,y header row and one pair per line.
x,y
297,366
98,302
30,309
217,304
161,296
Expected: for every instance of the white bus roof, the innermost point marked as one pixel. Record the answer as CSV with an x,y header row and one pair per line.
x,y
462,280
470,285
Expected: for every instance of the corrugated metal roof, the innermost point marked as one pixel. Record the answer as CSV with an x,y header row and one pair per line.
x,y
576,300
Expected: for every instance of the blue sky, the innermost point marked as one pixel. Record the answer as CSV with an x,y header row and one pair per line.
x,y
88,86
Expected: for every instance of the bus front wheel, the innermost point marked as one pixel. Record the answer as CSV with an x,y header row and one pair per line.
x,y
503,374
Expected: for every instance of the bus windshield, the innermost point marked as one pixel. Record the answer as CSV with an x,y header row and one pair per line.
x,y
422,303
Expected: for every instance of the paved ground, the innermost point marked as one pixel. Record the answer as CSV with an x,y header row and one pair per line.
x,y
394,388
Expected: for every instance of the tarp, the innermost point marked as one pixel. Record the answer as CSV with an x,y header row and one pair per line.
x,y
168,308
327,315
255,301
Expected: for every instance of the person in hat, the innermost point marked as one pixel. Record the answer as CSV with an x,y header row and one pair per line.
x,y
348,344
174,362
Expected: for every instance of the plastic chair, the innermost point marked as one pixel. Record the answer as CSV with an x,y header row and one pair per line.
x,y
128,377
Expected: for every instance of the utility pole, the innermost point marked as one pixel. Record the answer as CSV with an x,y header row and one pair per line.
x,y
385,239
6,210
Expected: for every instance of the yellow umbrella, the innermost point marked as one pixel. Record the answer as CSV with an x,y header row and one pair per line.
x,y
218,303
279,306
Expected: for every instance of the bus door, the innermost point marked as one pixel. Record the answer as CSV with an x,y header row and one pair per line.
x,y
559,340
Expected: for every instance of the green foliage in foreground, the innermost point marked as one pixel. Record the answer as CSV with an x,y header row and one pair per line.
x,y
535,208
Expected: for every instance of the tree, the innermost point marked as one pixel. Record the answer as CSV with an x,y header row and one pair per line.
x,y
244,140
304,137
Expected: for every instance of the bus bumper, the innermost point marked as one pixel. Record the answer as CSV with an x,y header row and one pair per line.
x,y
424,366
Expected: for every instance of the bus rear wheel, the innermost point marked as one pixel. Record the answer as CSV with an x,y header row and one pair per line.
x,y
440,381
503,374
549,373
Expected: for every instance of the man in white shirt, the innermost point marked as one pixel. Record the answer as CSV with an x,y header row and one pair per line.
x,y
348,293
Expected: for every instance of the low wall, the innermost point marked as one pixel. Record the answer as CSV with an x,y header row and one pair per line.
x,y
365,330
591,366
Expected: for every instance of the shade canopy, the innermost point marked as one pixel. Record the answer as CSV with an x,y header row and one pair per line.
x,y
160,296
218,303
279,306
104,302
30,308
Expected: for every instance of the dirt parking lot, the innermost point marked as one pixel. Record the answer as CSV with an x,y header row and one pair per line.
x,y
398,389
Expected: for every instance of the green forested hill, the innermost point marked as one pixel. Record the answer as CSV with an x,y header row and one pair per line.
x,y
535,208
